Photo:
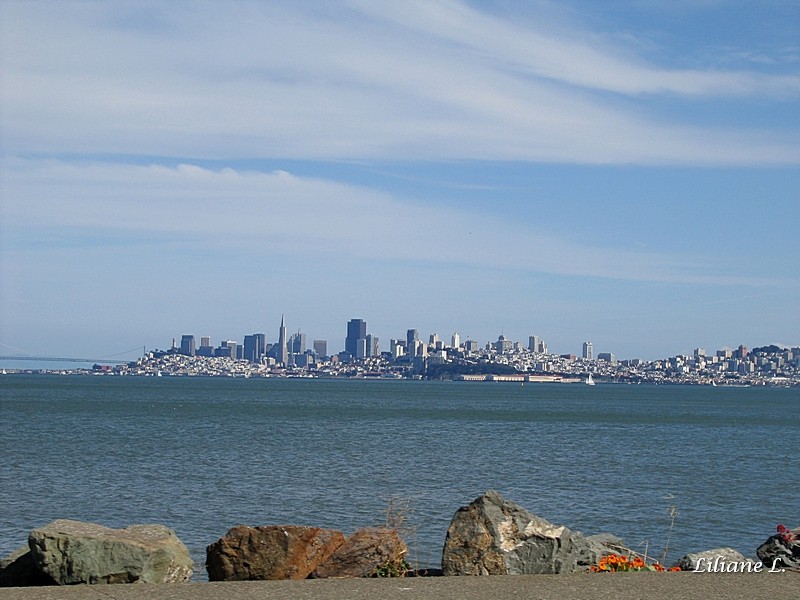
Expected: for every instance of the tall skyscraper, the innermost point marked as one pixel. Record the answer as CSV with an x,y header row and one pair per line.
x,y
283,351
588,351
254,347
261,345
297,343
502,345
397,348
187,345
455,341
412,338
373,346
356,330
321,348
249,351
205,349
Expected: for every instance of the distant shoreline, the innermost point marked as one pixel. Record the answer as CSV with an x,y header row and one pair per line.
x,y
488,379
768,366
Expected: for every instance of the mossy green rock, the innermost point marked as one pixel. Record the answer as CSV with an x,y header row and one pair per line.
x,y
76,552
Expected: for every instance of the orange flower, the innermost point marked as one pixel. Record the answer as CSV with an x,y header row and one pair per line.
x,y
619,563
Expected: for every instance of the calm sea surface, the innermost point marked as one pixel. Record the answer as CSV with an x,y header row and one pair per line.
x,y
202,455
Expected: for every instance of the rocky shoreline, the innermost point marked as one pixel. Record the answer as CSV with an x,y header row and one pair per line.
x,y
490,536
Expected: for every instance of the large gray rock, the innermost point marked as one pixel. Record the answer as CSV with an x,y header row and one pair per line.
x,y
492,536
364,553
270,552
77,552
781,549
706,559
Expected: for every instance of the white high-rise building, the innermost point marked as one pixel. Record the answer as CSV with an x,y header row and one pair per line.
x,y
537,345
397,348
455,341
588,351
373,346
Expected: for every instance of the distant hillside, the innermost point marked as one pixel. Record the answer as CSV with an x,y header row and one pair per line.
x,y
771,349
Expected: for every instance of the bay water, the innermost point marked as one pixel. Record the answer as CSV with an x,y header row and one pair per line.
x,y
201,455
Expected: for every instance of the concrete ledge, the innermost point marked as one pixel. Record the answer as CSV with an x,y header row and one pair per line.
x,y
678,586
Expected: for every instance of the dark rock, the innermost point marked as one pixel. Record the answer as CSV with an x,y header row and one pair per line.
x,y
726,555
781,549
364,552
492,536
425,572
270,552
76,552
18,570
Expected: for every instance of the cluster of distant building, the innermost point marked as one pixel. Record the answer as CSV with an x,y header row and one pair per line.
x,y
467,359
287,351
293,351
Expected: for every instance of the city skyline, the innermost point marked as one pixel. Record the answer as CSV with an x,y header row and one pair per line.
x,y
356,331
360,347
412,358
621,172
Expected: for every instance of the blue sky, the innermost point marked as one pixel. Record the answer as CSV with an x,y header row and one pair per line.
x,y
625,172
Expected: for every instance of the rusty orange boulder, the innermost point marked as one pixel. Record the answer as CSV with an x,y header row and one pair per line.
x,y
367,552
270,552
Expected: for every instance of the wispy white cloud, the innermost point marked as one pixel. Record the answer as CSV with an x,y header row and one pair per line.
x,y
357,80
575,56
275,213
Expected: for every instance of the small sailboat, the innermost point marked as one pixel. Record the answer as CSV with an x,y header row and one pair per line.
x,y
589,380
